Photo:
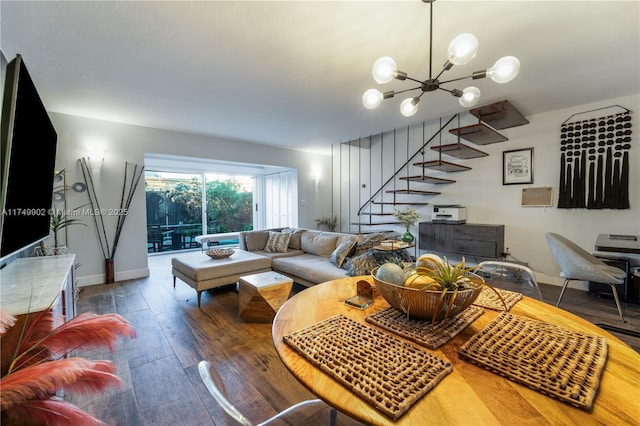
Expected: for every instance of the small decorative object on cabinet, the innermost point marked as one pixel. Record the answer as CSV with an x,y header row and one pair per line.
x,y
408,218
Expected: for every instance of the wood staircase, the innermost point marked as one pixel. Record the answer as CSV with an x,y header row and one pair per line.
x,y
491,118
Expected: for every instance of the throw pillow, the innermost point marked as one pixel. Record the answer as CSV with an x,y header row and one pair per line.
x,y
318,243
296,237
256,240
277,242
342,252
362,264
367,241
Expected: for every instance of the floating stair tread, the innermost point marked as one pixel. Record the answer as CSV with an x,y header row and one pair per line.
x,y
479,133
500,115
375,223
443,166
376,214
460,150
412,191
428,179
391,203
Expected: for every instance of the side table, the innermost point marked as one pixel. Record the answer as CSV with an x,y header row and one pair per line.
x,y
261,295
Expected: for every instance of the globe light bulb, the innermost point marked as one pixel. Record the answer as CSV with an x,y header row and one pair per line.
x,y
384,70
372,99
469,97
504,70
462,49
409,107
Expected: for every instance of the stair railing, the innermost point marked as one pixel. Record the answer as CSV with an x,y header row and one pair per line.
x,y
401,168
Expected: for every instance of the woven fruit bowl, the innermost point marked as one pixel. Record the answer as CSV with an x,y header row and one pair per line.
x,y
219,253
424,304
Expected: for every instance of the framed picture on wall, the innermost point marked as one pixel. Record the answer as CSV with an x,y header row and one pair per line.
x,y
517,166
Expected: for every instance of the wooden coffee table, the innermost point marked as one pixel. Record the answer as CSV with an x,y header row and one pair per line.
x,y
261,295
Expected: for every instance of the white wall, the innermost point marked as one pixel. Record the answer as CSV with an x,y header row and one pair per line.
x,y
488,201
125,143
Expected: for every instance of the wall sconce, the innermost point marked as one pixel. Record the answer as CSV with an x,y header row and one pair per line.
x,y
96,159
316,175
94,151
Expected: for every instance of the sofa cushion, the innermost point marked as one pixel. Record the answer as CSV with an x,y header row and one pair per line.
x,y
309,267
273,255
367,241
256,240
277,242
318,243
342,252
362,264
296,237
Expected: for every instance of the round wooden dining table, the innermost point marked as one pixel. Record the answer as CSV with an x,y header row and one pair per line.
x,y
470,394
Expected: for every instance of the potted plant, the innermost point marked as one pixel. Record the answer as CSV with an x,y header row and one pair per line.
x,y
408,218
330,222
58,222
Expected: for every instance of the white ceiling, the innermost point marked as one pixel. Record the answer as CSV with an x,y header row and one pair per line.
x,y
292,73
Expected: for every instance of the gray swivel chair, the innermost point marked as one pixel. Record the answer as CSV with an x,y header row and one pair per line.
x,y
510,276
294,415
578,264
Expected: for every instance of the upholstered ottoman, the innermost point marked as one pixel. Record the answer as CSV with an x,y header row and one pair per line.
x,y
203,273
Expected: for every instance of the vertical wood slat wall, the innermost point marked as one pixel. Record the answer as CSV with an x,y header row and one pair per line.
x,y
361,166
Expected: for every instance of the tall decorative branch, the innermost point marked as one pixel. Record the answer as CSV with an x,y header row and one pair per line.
x,y
125,200
131,181
85,165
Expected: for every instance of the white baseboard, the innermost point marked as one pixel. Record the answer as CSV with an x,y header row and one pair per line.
x,y
119,276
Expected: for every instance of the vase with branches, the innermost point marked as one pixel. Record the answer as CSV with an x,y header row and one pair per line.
x,y
408,218
39,366
132,175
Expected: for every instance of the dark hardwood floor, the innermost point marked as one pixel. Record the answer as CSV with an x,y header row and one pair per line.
x,y
159,367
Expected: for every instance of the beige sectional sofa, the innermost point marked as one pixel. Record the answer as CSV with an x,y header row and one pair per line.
x,y
310,257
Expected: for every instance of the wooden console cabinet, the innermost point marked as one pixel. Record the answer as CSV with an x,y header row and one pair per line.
x,y
467,239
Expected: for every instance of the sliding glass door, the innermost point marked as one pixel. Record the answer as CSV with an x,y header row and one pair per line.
x,y
216,198
174,212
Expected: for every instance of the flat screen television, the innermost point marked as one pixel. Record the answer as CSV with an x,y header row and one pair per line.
x,y
28,149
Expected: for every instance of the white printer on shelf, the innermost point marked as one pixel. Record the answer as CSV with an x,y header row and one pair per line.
x,y
449,214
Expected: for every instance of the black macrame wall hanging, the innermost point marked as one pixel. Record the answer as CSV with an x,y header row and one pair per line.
x,y
594,161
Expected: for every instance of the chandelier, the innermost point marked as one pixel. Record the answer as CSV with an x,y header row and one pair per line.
x,y
462,49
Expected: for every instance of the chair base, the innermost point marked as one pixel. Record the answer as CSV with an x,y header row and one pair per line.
x,y
615,296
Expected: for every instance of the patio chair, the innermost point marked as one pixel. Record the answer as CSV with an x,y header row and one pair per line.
x,y
295,415
578,264
510,276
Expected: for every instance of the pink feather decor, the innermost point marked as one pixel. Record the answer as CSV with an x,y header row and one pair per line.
x,y
40,367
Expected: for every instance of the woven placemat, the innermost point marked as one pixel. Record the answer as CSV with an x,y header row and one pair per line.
x,y
388,373
488,299
555,361
422,332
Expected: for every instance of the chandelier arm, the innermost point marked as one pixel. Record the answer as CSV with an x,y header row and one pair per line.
x,y
456,79
407,90
447,66
413,79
